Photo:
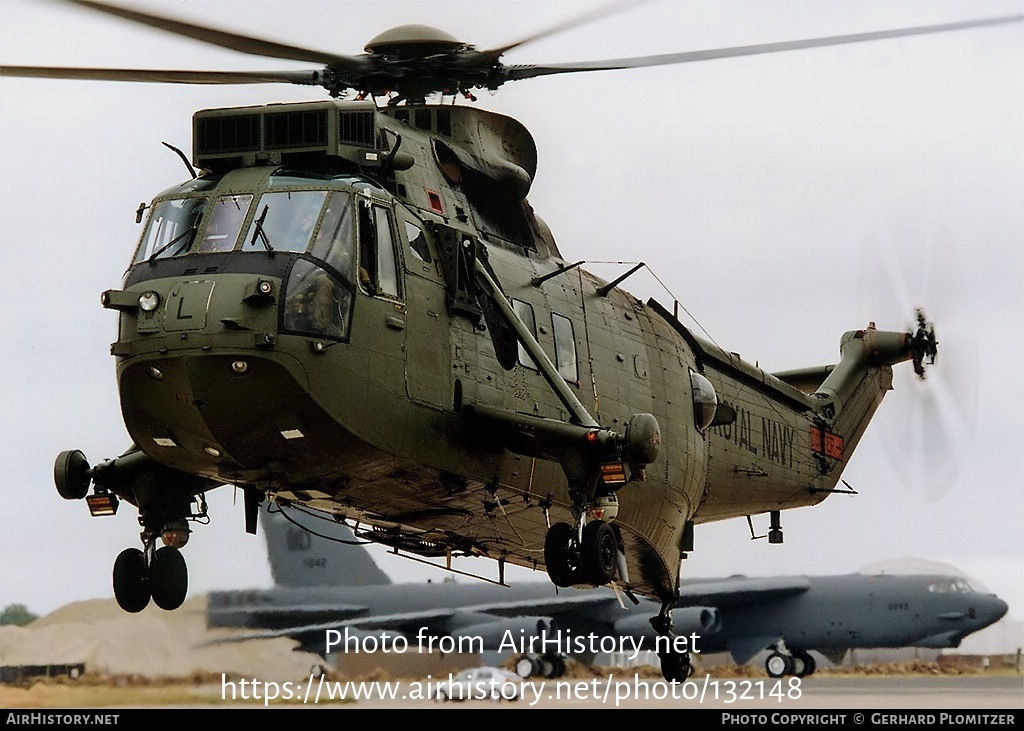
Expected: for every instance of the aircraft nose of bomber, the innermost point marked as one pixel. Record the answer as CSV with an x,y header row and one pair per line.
x,y
993,609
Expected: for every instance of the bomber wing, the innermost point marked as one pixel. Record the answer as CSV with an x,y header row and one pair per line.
x,y
740,590
383,622
441,620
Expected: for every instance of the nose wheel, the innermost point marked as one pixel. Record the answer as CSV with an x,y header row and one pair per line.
x,y
164,579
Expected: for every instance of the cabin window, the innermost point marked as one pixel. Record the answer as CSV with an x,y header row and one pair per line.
x,y
378,271
315,303
565,348
524,311
171,228
334,242
224,223
284,221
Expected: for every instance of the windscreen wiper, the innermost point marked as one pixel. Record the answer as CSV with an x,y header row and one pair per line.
x,y
172,242
259,231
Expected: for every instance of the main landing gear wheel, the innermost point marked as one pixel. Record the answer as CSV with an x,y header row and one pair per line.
x,y
71,474
779,665
675,666
599,552
561,555
168,578
131,580
803,664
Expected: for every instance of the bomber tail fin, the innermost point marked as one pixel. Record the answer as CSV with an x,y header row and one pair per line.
x,y
301,558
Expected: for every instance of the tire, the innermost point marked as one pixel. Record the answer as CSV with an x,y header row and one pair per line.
x,y
558,666
525,668
803,664
778,665
675,666
131,580
71,474
560,555
168,578
600,552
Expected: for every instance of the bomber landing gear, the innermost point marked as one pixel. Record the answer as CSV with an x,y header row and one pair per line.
x,y
571,560
540,666
781,663
164,578
803,664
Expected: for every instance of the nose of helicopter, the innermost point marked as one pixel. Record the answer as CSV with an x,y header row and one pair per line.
x,y
238,417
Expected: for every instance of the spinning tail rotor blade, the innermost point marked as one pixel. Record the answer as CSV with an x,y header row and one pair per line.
x,y
927,423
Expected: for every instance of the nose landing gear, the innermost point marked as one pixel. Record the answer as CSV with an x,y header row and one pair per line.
x,y
164,498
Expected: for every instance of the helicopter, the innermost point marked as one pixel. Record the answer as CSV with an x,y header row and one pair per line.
x,y
521,445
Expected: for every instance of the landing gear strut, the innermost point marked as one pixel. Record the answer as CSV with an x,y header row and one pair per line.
x,y
675,664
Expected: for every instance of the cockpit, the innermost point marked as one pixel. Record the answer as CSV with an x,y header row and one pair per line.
x,y
950,585
315,221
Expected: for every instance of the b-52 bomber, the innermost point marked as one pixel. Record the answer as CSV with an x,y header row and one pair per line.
x,y
324,585
352,307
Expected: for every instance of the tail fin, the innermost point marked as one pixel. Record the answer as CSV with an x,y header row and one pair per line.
x,y
300,558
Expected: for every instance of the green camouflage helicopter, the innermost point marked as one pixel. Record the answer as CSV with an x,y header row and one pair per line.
x,y
353,308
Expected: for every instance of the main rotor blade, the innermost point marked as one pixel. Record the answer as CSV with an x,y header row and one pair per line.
x,y
529,71
575,22
308,78
225,39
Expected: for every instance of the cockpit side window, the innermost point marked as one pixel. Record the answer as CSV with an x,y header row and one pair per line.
x,y
171,228
224,223
378,271
387,271
284,220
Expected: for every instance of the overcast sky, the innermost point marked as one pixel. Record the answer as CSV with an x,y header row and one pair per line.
x,y
782,199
